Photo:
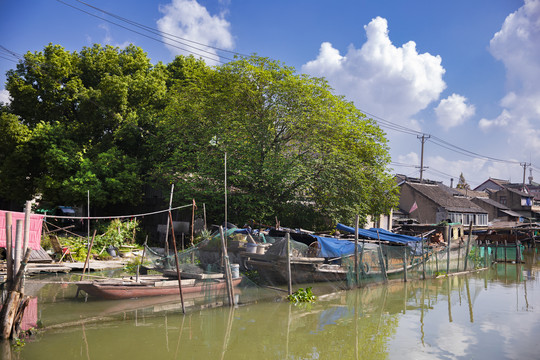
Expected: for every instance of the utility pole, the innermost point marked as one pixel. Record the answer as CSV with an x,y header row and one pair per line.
x,y
423,139
524,164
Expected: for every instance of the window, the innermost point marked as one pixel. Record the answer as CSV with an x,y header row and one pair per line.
x,y
456,218
481,219
502,199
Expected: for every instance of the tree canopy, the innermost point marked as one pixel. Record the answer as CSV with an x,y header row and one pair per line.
x,y
106,120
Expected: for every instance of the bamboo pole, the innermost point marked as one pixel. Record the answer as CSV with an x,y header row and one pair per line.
x,y
87,261
17,252
142,258
448,253
357,275
177,267
405,264
9,250
194,206
228,275
169,222
423,260
468,244
26,238
289,275
204,215
381,260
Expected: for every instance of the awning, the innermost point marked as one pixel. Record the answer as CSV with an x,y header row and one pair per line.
x,y
511,213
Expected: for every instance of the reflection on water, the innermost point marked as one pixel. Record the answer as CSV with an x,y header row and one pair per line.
x,y
489,314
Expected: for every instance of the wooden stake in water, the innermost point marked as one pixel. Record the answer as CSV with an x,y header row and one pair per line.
x,y
177,268
228,276
356,250
405,263
289,275
381,260
169,222
467,248
9,250
448,253
505,253
423,260
18,243
26,239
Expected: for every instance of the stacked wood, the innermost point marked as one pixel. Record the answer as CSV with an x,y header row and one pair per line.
x,y
15,302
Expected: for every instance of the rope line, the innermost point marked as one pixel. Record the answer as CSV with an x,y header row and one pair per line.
x,y
115,217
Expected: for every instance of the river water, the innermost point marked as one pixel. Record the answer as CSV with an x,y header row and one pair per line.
x,y
491,314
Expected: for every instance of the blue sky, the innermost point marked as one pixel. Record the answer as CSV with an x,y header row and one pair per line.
x,y
465,72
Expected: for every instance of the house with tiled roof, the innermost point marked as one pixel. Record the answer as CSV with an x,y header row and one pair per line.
x,y
517,200
432,202
496,210
492,184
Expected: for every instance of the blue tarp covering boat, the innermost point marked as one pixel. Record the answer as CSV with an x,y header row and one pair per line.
x,y
332,248
384,235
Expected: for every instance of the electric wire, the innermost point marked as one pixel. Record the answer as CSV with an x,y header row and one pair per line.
x,y
159,32
150,37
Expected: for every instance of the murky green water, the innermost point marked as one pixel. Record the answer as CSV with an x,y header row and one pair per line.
x,y
486,315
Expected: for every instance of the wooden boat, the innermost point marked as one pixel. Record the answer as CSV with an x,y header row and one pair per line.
x,y
125,288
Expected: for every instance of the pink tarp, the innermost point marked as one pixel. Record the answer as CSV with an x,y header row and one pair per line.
x,y
36,222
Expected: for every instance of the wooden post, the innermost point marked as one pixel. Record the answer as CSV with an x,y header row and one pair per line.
x,y
169,222
505,253
204,215
423,260
485,254
11,305
381,260
26,238
518,258
467,248
9,250
17,251
192,222
357,275
87,261
177,267
289,275
496,249
142,259
458,255
228,276
448,253
405,263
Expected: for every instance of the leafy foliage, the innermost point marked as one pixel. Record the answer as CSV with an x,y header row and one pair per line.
x,y
302,296
106,120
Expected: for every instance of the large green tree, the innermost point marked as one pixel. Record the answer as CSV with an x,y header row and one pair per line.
x,y
106,120
294,149
87,116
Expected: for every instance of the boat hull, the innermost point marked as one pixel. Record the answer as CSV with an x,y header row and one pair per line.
x,y
127,291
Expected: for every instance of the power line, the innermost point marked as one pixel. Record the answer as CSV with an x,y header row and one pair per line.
x,y
158,32
152,38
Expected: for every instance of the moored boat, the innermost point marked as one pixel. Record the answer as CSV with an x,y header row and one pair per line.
x,y
124,289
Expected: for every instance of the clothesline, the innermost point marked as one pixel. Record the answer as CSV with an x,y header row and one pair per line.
x,y
115,217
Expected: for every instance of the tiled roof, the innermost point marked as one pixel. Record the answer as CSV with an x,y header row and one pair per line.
x,y
442,196
494,203
472,193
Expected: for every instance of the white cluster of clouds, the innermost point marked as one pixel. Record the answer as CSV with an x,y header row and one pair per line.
x,y
190,20
393,82
517,46
453,111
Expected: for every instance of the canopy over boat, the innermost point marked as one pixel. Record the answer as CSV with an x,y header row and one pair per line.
x,y
333,248
383,235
